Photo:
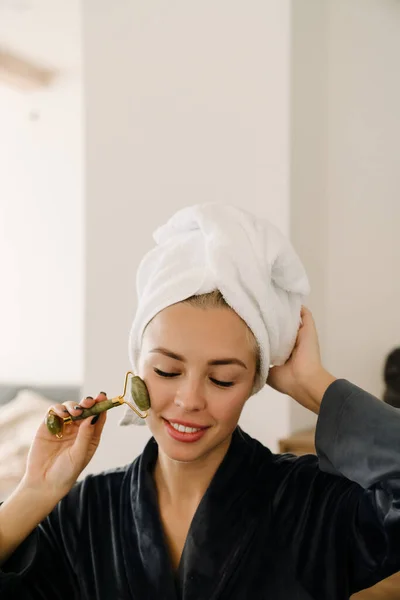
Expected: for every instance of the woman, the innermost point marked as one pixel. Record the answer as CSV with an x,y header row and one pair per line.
x,y
207,512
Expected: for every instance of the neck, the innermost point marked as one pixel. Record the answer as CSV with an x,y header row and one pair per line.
x,y
183,485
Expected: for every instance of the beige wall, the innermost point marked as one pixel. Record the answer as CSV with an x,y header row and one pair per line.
x,y
185,102
363,185
41,201
172,119
345,211
308,205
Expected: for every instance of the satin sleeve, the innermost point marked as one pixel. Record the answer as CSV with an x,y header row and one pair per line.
x,y
358,438
336,516
43,565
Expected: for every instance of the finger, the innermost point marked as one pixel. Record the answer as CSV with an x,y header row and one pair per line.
x,y
89,401
62,410
98,425
89,433
306,313
308,332
72,408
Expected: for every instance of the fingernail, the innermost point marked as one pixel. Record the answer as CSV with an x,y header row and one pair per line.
x,y
76,407
104,394
89,398
95,419
65,409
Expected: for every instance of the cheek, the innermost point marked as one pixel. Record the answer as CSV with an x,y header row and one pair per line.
x,y
161,395
221,405
227,408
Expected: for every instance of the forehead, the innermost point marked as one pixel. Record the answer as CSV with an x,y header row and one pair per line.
x,y
185,328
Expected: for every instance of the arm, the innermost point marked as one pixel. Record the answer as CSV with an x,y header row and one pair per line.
x,y
19,515
358,437
343,519
38,530
338,516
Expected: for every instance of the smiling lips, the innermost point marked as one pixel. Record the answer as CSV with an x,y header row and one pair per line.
x,y
185,432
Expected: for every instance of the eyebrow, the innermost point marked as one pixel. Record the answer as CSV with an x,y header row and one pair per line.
x,y
215,361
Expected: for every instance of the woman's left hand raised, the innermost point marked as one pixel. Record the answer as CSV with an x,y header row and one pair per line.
x,y
302,376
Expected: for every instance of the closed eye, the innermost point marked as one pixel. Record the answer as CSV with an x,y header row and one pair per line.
x,y
222,383
216,381
164,374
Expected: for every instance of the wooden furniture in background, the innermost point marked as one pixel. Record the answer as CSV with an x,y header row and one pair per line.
x,y
301,443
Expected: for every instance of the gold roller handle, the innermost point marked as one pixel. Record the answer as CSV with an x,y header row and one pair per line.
x,y
140,394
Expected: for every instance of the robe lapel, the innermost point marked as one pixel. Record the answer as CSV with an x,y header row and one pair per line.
x,y
224,524
219,535
147,562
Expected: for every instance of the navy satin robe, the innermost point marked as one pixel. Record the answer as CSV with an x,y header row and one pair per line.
x,y
269,526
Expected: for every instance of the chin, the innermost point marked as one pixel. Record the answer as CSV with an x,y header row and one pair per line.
x,y
184,457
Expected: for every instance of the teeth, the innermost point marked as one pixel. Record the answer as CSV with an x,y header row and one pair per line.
x,y
184,429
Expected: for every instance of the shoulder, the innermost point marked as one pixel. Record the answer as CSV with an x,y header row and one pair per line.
x,y
286,477
303,493
107,478
278,465
97,489
275,474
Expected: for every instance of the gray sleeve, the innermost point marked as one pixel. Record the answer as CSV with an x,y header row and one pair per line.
x,y
358,436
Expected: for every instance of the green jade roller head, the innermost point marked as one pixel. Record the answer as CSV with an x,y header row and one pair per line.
x,y
139,393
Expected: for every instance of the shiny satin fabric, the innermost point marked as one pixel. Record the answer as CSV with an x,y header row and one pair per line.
x,y
269,526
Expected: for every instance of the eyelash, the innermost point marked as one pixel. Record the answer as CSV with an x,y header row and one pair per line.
x,y
223,384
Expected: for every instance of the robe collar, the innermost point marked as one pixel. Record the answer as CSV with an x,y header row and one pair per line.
x,y
221,529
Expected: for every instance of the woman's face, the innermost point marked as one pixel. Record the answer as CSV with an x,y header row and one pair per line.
x,y
199,366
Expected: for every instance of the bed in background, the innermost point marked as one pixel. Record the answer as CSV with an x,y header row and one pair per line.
x,y
21,409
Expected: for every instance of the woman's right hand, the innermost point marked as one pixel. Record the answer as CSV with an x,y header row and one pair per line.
x,y
55,464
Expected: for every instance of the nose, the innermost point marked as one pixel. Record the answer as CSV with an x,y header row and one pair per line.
x,y
190,396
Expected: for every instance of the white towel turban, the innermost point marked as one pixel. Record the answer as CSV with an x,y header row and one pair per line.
x,y
214,246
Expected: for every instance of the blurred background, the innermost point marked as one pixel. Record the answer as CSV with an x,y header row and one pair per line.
x,y
115,114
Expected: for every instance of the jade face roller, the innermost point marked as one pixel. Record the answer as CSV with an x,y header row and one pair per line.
x,y
139,394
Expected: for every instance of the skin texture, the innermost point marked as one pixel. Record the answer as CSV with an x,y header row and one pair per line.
x,y
192,395
198,336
